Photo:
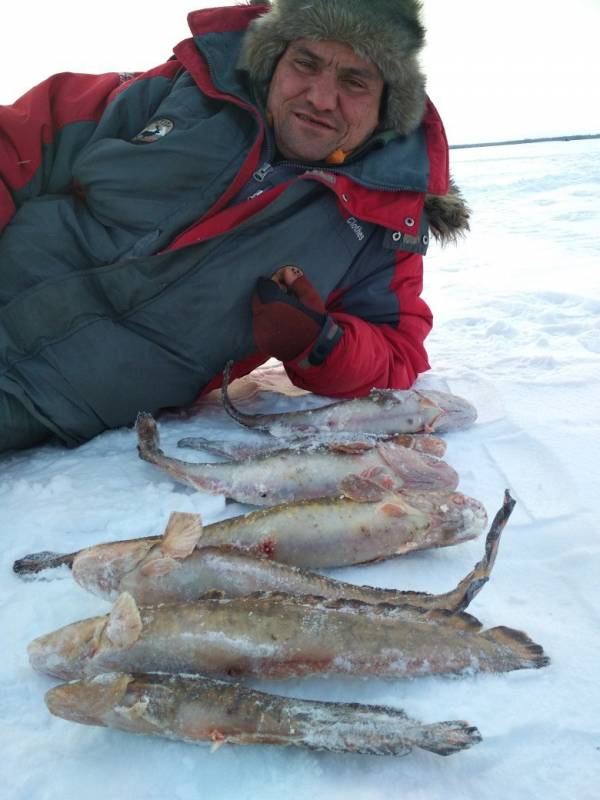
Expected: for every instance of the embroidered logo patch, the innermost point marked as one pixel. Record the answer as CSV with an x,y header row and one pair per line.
x,y
358,231
154,131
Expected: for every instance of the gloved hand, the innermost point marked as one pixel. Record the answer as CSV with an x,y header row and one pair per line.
x,y
288,314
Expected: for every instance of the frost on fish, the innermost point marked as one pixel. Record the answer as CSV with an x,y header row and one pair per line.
x,y
369,525
366,524
237,450
384,411
293,474
202,709
277,636
160,577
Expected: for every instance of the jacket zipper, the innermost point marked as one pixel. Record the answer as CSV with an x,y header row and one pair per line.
x,y
263,171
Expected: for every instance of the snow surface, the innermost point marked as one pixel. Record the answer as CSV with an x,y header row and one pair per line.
x,y
517,332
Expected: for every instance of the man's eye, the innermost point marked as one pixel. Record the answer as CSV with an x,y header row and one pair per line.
x,y
354,84
304,66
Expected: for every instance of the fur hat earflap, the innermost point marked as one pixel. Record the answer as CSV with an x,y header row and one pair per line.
x,y
388,32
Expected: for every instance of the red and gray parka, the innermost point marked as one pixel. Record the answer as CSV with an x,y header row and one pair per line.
x,y
138,211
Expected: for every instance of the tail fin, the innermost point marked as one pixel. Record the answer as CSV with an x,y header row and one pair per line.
x,y
460,598
446,738
522,652
37,562
246,420
148,438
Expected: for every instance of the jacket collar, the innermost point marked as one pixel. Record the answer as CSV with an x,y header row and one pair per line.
x,y
415,163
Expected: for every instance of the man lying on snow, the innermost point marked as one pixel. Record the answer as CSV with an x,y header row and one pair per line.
x,y
268,191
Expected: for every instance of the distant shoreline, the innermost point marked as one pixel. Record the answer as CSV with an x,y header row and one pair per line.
x,y
573,138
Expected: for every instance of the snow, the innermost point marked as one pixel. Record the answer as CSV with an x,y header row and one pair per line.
x,y
517,333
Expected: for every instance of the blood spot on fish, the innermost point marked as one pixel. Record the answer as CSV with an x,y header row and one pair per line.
x,y
393,510
267,548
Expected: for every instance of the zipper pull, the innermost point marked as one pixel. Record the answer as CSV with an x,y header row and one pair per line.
x,y
262,172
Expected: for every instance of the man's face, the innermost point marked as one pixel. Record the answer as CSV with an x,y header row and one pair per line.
x,y
323,97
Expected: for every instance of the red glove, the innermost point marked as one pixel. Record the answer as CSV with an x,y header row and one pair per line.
x,y
289,315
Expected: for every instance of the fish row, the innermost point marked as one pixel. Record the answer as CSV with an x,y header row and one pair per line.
x,y
348,483
385,438
271,635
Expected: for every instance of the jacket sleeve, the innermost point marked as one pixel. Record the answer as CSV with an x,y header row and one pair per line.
x,y
35,151
373,354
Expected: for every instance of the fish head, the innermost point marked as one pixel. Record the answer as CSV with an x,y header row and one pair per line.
x,y
455,515
101,569
88,702
457,413
65,652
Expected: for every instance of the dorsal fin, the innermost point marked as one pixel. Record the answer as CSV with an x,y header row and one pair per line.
x,y
182,534
124,624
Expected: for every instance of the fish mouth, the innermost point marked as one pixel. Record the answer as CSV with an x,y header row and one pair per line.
x,y
457,414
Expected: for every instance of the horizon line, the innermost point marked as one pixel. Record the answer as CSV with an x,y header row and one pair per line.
x,y
566,138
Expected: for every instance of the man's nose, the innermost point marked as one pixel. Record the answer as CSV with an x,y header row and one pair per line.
x,y
322,92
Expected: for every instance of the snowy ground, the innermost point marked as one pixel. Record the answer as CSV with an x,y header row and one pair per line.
x,y
518,333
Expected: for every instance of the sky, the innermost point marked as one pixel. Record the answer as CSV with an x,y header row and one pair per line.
x,y
516,69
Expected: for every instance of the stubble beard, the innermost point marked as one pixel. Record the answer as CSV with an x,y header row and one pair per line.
x,y
299,145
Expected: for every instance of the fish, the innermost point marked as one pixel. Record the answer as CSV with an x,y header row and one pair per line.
x,y
204,709
236,450
383,411
179,568
277,636
292,475
365,523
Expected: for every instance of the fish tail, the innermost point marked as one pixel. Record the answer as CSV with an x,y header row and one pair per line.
x,y
246,420
520,652
148,437
460,597
446,738
37,562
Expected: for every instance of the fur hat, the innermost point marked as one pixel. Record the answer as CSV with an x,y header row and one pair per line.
x,y
388,32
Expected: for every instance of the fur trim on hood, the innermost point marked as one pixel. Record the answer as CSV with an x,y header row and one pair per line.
x,y
388,32
448,215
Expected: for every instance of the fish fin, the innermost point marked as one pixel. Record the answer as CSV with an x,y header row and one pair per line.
x,y
194,442
415,470
381,395
422,443
159,566
530,653
218,740
349,447
382,477
137,711
460,619
216,594
362,490
124,624
181,535
37,562
445,738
